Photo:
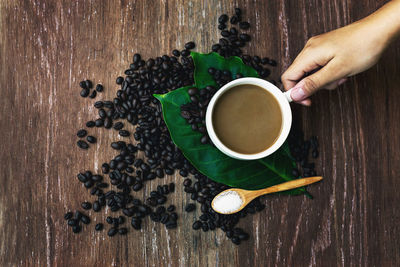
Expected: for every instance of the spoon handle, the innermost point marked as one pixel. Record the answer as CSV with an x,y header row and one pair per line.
x,y
289,185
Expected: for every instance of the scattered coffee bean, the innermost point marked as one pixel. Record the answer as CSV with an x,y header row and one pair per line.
x,y
99,88
82,144
99,227
81,133
91,139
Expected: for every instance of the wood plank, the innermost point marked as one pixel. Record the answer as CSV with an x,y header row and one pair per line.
x,y
47,47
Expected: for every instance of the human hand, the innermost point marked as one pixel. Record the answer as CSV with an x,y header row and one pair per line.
x,y
336,55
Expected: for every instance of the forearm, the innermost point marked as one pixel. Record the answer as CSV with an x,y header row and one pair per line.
x,y
385,21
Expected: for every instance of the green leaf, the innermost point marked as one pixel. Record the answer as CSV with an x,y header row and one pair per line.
x,y
203,62
207,159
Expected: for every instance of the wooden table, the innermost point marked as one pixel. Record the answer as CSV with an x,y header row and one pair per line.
x,y
47,47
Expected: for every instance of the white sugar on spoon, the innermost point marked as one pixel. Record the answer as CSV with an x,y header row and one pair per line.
x,y
227,202
234,199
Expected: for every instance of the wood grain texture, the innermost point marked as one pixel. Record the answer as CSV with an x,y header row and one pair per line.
x,y
47,47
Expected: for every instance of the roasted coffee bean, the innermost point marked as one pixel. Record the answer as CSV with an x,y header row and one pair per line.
x,y
223,18
183,173
119,80
165,189
112,231
187,182
124,133
82,144
85,219
192,91
99,123
189,45
76,229
86,205
105,168
236,240
197,225
136,223
244,25
85,92
93,94
221,26
91,139
96,206
122,231
118,126
238,11
72,222
234,19
99,88
90,124
68,215
99,227
171,208
190,207
83,85
81,133
225,33
185,53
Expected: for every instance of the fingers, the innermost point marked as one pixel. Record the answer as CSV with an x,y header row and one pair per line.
x,y
320,79
307,61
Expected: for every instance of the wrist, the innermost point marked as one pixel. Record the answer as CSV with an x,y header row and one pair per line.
x,y
385,22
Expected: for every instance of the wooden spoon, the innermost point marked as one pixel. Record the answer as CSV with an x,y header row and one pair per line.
x,y
248,195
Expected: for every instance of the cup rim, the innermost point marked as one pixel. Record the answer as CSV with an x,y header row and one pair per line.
x,y
283,104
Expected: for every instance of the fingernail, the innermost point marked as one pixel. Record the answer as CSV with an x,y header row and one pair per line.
x,y
297,94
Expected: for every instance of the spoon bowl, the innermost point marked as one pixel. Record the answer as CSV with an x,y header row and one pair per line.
x,y
248,195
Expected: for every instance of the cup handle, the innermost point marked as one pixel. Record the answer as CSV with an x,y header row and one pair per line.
x,y
287,95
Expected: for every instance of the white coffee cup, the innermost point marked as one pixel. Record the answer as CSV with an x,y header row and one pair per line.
x,y
283,100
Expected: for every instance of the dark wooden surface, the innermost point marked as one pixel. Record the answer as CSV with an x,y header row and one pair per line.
x,y
47,47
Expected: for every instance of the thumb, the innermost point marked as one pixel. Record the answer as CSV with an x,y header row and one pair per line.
x,y
311,84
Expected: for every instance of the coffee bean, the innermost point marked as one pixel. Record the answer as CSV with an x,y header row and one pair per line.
x,y
96,206
244,25
105,168
189,45
223,18
99,227
99,88
91,139
119,80
82,84
82,144
90,124
72,222
68,215
124,133
93,94
85,92
236,240
190,207
234,19
85,219
185,53
81,133
76,229
86,205
171,208
112,231
99,123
